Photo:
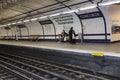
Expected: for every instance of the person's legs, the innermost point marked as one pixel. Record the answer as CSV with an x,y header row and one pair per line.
x,y
72,41
61,39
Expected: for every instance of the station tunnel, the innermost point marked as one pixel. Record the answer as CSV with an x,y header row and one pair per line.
x,y
59,40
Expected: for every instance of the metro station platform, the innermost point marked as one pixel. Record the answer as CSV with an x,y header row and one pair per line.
x,y
110,49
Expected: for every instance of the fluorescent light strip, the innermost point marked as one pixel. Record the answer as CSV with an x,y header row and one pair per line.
x,y
88,7
71,11
8,24
3,25
34,19
55,14
19,22
14,23
26,21
109,3
42,17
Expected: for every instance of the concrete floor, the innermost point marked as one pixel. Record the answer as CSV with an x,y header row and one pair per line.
x,y
102,47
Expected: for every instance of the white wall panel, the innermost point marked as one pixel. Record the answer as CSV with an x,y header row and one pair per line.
x,y
49,30
24,32
3,32
94,26
34,28
10,32
60,23
94,37
106,15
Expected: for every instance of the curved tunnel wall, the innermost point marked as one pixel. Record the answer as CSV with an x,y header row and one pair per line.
x,y
92,25
49,30
34,28
3,32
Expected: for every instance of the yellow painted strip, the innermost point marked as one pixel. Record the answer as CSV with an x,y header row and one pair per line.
x,y
99,54
20,45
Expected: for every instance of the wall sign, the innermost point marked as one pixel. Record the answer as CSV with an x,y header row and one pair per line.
x,y
90,15
45,22
65,22
64,19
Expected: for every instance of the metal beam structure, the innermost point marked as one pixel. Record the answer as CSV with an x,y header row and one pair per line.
x,y
63,4
7,3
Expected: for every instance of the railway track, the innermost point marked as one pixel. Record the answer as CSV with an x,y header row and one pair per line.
x,y
9,74
33,69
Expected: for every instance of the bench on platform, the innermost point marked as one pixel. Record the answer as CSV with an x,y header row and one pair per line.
x,y
33,37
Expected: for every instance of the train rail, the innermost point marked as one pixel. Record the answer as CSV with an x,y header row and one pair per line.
x,y
9,74
41,70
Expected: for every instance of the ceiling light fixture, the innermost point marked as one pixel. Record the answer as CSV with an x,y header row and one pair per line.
x,y
43,17
3,25
26,21
8,24
19,22
34,19
109,3
71,11
52,15
14,23
88,7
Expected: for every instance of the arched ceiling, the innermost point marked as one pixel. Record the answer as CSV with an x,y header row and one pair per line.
x,y
12,10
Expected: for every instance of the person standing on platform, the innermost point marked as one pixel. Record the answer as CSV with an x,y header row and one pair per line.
x,y
63,36
16,35
72,36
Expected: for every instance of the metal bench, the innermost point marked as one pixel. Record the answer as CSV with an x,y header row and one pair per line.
x,y
33,37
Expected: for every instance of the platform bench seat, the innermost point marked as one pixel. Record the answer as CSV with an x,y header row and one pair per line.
x,y
33,37
6,37
1,37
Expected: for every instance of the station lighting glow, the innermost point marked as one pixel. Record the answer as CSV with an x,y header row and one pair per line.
x,y
70,11
88,7
42,17
34,19
77,11
8,24
3,25
14,23
109,3
55,14
26,21
67,12
19,22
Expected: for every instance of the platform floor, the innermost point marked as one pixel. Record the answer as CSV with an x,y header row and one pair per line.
x,y
107,48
